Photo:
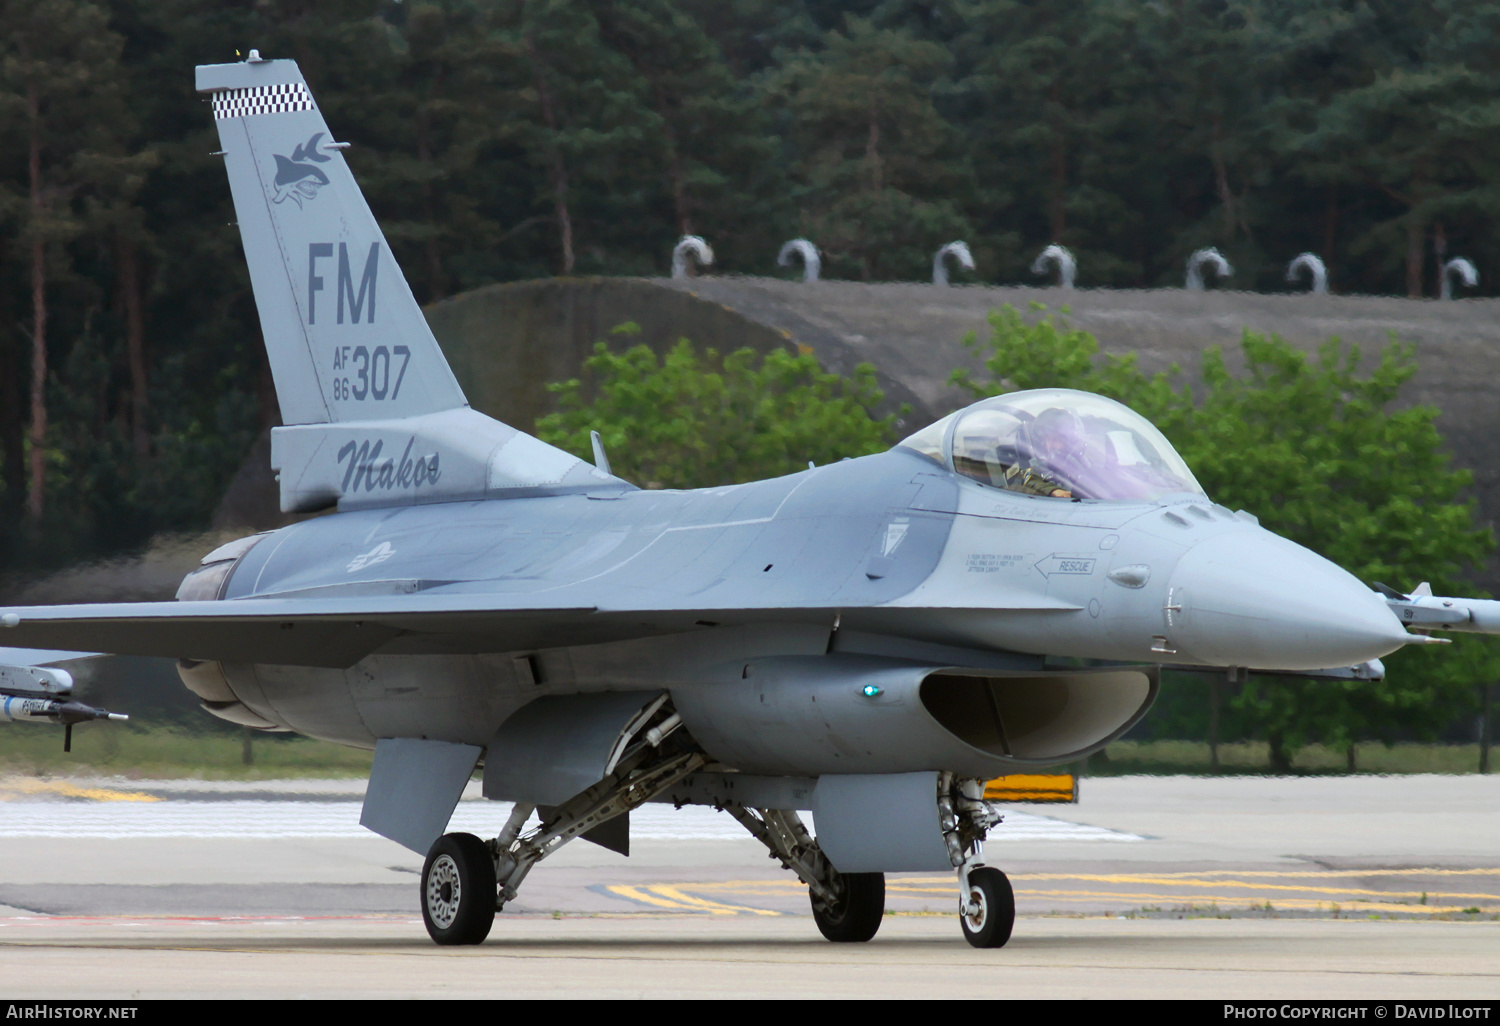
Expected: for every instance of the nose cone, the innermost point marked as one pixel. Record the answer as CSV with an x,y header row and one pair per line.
x,y
1251,598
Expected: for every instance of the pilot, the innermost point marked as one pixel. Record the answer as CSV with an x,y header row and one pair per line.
x,y
1059,440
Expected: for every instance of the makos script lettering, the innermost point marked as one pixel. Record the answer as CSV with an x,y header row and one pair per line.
x,y
365,469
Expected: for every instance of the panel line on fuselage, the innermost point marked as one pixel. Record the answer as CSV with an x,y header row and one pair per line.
x,y
693,527
285,536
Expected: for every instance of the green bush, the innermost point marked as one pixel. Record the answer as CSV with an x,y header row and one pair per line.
x,y
695,419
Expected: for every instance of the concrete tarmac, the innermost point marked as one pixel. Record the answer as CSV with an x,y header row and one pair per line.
x,y
643,955
1251,887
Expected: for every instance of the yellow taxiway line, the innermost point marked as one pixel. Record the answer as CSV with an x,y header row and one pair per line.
x,y
1241,884
1309,896
67,790
672,896
1268,873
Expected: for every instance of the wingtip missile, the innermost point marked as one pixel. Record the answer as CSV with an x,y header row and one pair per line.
x,y
43,694
1422,610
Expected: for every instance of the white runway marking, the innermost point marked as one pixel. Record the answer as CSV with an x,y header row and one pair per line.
x,y
1026,826
257,818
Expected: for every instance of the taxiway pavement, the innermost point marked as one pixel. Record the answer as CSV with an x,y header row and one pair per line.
x,y
1357,887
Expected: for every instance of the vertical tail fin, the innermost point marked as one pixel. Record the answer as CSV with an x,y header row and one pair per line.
x,y
374,415
346,339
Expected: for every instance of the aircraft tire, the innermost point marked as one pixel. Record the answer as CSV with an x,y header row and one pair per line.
x,y
458,890
857,916
990,925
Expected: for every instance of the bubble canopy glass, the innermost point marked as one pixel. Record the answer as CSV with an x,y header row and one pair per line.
x,y
1060,443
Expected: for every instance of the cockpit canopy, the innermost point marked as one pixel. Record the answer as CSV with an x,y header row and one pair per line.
x,y
1057,442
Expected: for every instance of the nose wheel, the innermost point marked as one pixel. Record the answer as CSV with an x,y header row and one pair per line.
x,y
987,908
458,890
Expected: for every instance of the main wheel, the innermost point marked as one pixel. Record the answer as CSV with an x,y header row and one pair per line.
x,y
458,890
856,914
991,911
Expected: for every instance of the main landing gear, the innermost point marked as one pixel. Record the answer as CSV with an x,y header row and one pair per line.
x,y
458,890
847,907
856,911
465,881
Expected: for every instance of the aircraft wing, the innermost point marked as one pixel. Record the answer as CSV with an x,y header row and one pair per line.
x,y
306,632
42,657
338,632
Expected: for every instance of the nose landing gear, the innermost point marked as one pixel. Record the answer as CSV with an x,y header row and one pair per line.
x,y
987,906
986,903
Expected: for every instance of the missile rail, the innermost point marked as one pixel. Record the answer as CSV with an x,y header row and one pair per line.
x,y
43,694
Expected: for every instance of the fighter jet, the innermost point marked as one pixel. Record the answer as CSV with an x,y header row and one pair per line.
x,y
866,641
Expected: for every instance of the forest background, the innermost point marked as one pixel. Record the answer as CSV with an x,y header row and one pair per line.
x,y
514,139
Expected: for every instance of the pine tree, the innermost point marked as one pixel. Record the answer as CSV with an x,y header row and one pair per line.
x,y
579,114
711,139
61,85
1408,115
432,136
1197,72
876,165
1046,92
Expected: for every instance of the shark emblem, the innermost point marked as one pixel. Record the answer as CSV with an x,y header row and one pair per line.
x,y
296,179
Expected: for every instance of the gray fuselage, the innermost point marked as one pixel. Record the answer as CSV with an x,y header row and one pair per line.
x,y
890,555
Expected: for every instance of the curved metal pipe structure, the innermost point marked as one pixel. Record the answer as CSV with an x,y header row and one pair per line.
x,y
690,245
958,251
811,262
1067,267
1464,269
1206,257
1315,269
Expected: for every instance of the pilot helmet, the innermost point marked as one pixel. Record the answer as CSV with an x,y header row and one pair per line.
x,y
1057,432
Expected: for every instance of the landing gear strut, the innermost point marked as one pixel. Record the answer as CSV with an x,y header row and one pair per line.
x,y
465,881
848,907
986,903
